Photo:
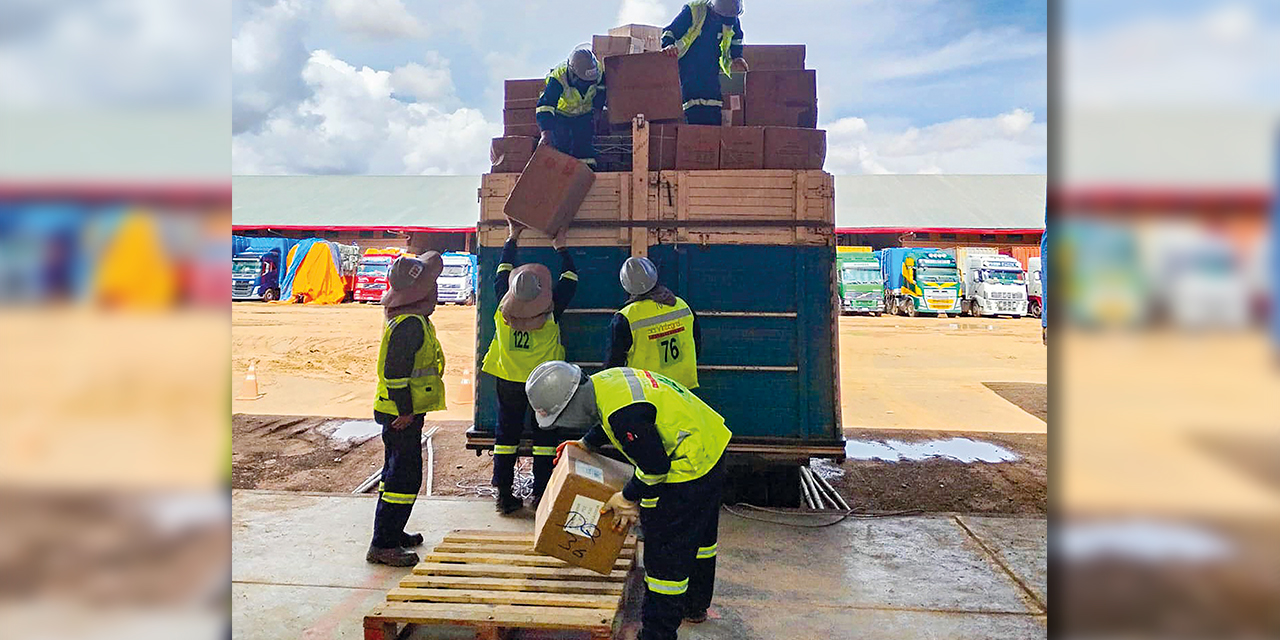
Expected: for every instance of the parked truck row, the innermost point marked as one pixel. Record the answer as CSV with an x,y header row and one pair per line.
x,y
262,268
975,281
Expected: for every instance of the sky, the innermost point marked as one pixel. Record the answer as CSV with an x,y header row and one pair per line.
x,y
386,87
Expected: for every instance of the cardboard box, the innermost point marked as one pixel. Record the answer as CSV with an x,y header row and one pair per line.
x,y
742,147
734,85
782,99
649,35
647,83
773,57
519,116
605,46
549,191
568,524
662,146
524,89
697,147
529,130
522,103
511,154
794,148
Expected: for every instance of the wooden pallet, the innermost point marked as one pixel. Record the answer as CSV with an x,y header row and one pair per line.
x,y
495,582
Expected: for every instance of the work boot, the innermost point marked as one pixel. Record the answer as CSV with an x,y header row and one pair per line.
x,y
696,618
505,503
410,540
533,504
393,557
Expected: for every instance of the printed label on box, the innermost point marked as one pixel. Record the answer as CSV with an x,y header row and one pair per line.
x,y
588,471
583,517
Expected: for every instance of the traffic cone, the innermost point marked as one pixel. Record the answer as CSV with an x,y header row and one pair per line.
x,y
250,389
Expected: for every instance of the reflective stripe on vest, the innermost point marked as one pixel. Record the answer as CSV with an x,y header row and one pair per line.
x,y
693,435
513,355
425,386
700,9
662,340
573,102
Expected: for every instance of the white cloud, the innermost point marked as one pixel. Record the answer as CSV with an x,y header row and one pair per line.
x,y
352,124
267,58
377,19
973,49
644,12
1011,142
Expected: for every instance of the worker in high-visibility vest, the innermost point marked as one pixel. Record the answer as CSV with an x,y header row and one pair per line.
x,y
526,334
707,37
676,443
656,330
410,368
566,110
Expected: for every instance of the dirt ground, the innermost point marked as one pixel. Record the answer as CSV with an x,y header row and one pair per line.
x,y
905,379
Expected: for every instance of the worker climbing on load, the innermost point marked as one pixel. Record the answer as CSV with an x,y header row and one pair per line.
x,y
526,334
656,330
676,443
410,365
707,37
566,110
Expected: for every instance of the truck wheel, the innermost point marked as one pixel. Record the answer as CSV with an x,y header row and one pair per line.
x,y
1033,308
270,295
911,307
471,299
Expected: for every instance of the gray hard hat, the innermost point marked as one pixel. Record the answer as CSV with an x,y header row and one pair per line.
x,y
550,388
638,275
526,286
583,64
727,8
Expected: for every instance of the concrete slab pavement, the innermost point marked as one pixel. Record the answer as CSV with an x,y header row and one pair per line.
x,y
299,572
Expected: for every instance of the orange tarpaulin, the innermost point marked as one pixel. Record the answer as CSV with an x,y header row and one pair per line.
x,y
315,279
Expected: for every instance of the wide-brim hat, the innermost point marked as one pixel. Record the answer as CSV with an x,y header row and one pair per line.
x,y
412,281
530,314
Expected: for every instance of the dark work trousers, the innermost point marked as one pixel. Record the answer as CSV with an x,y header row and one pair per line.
x,y
401,479
575,136
703,115
515,416
680,552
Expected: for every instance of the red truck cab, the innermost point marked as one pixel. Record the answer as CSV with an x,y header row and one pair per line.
x,y
371,275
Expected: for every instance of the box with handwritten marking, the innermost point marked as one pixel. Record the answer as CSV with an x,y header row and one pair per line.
x,y
569,524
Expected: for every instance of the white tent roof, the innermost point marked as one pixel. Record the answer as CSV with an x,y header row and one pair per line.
x,y
869,203
896,203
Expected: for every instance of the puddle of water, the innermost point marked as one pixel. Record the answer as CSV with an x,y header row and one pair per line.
x,y
356,431
961,449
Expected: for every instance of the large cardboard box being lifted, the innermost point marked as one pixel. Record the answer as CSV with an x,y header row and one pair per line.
x,y
647,83
568,524
549,192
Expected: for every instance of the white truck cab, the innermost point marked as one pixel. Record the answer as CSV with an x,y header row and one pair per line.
x,y
993,285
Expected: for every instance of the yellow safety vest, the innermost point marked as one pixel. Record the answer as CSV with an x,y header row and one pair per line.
x,y
662,340
513,355
425,384
699,9
572,102
693,435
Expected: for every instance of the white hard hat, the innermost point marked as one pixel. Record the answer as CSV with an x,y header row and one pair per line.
x,y
550,388
638,275
583,64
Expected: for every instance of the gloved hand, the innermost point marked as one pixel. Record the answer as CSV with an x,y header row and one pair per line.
x,y
625,512
740,65
560,449
671,51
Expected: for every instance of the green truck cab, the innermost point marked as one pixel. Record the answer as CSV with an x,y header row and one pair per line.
x,y
860,280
